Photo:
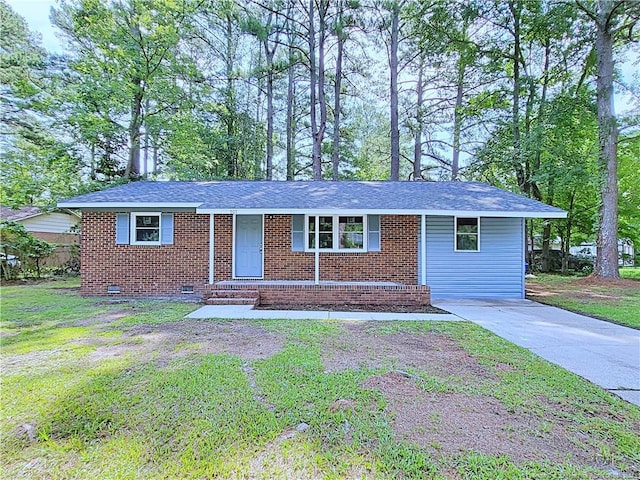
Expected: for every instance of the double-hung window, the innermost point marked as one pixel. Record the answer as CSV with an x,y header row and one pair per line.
x,y
325,236
351,233
336,232
467,235
145,228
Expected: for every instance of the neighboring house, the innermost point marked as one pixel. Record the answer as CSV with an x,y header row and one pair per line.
x,y
58,226
319,242
626,254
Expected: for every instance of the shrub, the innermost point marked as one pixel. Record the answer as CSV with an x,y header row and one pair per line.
x,y
16,242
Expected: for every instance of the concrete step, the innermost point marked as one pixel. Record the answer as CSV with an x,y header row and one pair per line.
x,y
231,301
221,293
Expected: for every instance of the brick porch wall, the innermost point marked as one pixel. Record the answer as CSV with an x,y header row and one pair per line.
x,y
354,294
396,262
140,269
164,269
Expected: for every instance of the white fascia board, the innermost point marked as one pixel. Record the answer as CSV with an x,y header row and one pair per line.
x,y
329,211
128,205
26,217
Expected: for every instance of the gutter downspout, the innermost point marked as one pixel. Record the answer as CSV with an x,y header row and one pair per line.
x,y
317,251
211,249
423,249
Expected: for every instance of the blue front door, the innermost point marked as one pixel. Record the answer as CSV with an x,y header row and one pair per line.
x,y
248,248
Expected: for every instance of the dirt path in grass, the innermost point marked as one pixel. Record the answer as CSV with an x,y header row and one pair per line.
x,y
168,341
437,395
424,393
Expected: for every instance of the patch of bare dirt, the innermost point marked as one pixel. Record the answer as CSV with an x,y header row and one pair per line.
x,y
193,336
583,288
592,280
104,318
362,345
354,308
451,423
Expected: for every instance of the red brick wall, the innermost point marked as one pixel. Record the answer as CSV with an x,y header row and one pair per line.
x,y
164,269
323,294
141,269
396,262
222,239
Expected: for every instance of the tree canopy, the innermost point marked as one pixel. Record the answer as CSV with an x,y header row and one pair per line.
x,y
512,92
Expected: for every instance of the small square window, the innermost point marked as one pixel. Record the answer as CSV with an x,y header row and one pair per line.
x,y
467,234
145,228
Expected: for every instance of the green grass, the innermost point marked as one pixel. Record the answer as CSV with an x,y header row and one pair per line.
x,y
632,273
148,414
619,304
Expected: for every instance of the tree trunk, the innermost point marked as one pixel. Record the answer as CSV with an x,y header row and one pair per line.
x,y
232,163
319,137
535,190
155,157
335,159
92,163
607,242
417,145
133,164
269,56
313,81
290,122
145,163
132,169
567,232
515,7
393,87
546,235
457,120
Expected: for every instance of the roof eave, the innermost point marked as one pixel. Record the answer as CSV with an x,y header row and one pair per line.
x,y
372,211
129,204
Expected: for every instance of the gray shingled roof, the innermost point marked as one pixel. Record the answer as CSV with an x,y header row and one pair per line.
x,y
8,213
306,195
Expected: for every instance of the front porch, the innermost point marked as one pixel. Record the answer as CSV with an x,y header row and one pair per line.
x,y
292,293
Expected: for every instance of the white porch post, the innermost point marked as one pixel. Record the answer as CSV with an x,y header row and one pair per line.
x,y
211,249
423,249
317,251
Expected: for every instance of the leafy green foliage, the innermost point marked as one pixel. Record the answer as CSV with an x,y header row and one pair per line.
x,y
23,246
37,167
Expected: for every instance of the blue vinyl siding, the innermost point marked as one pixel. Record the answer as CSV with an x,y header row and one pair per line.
x,y
496,271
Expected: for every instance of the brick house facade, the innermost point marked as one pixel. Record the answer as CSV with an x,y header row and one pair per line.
x,y
140,270
349,242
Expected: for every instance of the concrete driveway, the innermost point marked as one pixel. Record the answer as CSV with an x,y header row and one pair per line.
x,y
604,353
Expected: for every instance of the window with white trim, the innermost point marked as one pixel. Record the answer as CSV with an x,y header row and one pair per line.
x,y
351,233
145,228
337,232
467,234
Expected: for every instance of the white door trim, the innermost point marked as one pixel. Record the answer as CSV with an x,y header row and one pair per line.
x,y
233,256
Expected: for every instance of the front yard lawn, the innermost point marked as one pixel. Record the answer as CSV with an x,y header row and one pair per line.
x,y
617,301
95,388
